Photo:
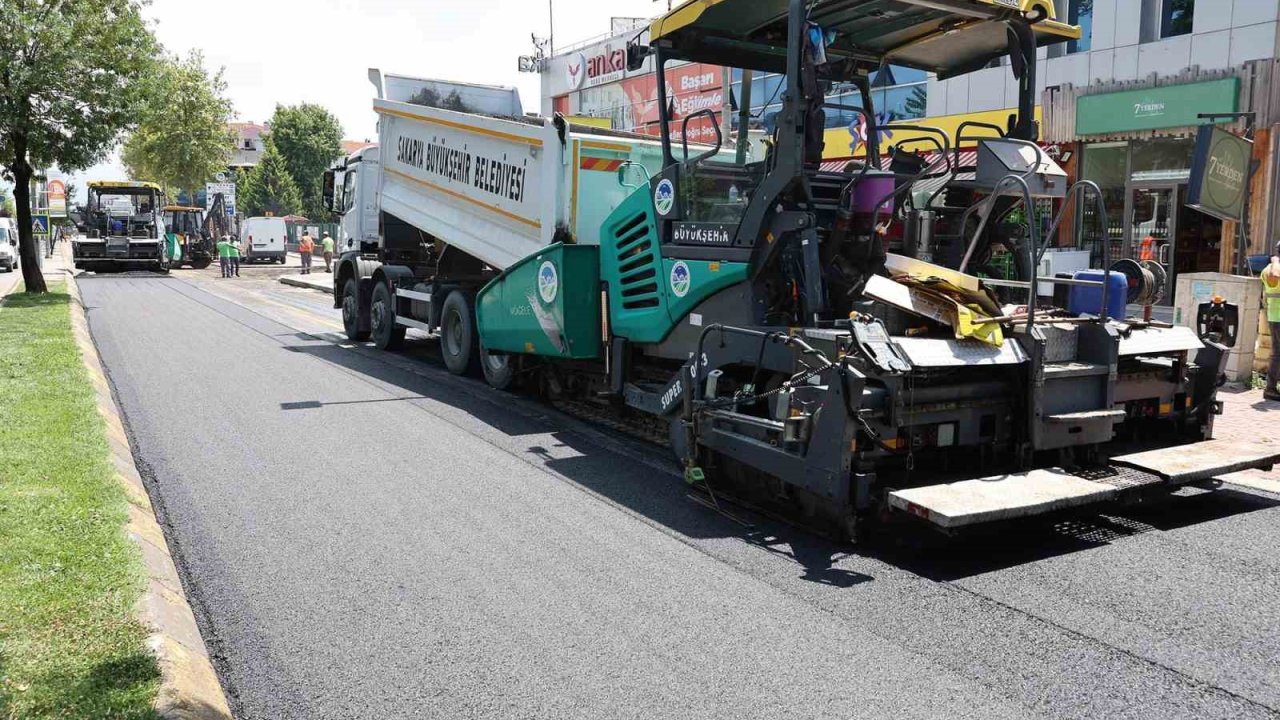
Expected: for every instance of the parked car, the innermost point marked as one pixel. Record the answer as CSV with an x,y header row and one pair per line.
x,y
263,238
8,244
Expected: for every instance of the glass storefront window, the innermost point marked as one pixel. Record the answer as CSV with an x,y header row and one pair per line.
x,y
1176,17
1081,13
1162,160
1107,165
907,99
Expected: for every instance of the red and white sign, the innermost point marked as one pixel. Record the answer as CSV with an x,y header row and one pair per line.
x,y
575,70
596,66
690,89
57,198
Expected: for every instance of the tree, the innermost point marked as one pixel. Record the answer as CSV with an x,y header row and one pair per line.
x,y
71,80
269,188
309,139
183,139
7,207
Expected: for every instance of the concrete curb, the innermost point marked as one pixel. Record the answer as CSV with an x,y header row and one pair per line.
x,y
305,281
189,687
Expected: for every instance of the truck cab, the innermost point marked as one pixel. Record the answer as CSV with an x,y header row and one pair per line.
x,y
351,190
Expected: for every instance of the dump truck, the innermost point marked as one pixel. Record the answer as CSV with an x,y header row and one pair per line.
x,y
822,344
123,228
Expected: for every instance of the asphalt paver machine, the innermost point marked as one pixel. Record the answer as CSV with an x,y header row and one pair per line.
x,y
123,228
817,343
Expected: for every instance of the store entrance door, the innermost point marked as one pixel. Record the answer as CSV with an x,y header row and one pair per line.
x,y
1160,227
1151,226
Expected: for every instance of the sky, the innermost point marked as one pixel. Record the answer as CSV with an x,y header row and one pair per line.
x,y
319,51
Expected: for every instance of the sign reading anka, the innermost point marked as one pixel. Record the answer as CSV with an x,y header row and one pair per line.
x,y
1219,173
605,64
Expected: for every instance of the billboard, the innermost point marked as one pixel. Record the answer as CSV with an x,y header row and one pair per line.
x,y
57,198
632,104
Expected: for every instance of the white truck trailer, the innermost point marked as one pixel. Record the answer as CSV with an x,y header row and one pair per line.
x,y
447,200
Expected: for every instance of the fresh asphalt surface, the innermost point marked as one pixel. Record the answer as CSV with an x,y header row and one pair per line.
x,y
364,535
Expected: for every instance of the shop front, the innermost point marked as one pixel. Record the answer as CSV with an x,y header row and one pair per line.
x,y
1138,146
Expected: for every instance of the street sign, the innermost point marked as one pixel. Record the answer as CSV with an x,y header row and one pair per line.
x,y
40,224
226,190
1219,173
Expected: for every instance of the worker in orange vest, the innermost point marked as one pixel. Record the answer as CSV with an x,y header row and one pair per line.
x,y
1148,249
305,247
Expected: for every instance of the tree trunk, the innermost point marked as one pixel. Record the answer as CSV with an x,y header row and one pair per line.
x,y
28,253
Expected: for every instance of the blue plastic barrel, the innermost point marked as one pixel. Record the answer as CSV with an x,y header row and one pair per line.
x,y
1087,299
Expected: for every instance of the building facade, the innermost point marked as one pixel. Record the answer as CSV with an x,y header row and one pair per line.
x,y
1120,107
250,144
1129,98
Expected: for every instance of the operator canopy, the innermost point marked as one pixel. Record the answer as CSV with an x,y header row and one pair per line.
x,y
946,37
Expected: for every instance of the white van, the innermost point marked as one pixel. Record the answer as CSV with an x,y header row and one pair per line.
x,y
263,238
8,244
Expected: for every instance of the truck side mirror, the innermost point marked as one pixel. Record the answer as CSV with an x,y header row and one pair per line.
x,y
636,54
327,194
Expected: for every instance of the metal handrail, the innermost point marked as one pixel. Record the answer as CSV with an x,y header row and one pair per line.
x,y
1032,241
1080,186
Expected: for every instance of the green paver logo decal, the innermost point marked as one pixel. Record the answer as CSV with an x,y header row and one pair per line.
x,y
680,279
664,197
548,282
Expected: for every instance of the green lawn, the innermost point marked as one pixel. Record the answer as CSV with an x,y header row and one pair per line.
x,y
69,577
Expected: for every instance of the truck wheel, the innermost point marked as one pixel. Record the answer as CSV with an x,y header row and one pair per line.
x,y
387,335
351,312
201,263
499,369
458,338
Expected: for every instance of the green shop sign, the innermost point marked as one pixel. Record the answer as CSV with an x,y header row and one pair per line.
x,y
1219,173
1155,108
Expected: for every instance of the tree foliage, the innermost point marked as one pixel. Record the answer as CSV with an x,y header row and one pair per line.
x,y
183,139
917,103
309,140
268,187
71,80
430,97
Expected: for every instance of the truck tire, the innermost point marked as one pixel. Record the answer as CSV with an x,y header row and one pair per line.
x,y
499,369
387,335
201,263
459,341
351,312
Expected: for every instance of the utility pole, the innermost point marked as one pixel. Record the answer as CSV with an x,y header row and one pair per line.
x,y
551,40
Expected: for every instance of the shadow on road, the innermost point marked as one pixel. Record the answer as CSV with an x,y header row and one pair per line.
x,y
636,475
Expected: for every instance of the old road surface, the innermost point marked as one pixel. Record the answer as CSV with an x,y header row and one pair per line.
x,y
364,535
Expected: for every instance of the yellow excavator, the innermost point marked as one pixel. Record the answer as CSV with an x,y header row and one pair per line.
x,y
185,228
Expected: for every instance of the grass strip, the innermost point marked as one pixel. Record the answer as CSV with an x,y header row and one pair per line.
x,y
70,646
